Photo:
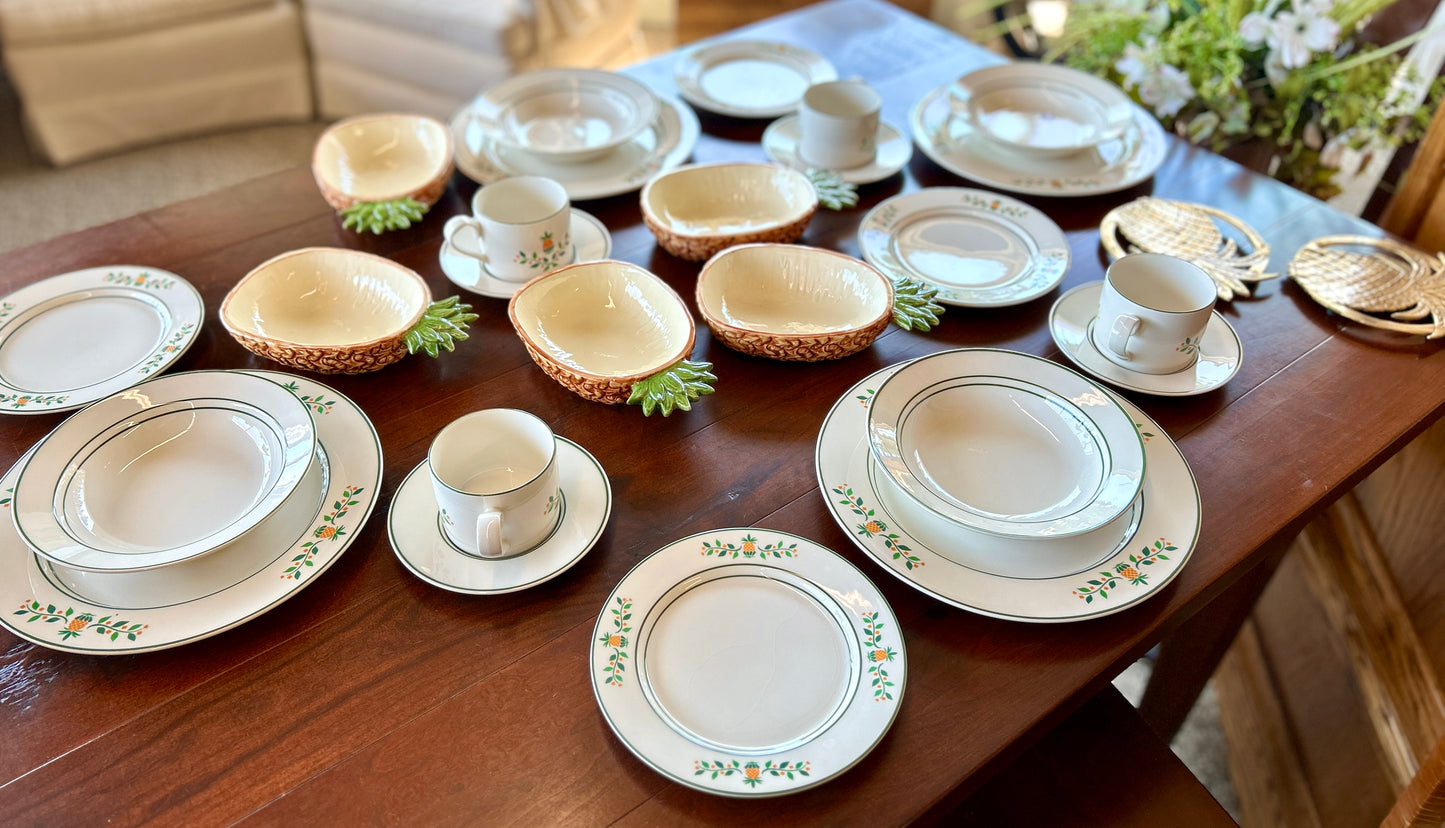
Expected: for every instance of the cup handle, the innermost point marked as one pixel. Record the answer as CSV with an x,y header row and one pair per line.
x,y
455,225
1124,327
489,534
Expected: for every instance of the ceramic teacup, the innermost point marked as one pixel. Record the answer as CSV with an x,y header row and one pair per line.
x,y
838,125
519,228
1153,310
494,473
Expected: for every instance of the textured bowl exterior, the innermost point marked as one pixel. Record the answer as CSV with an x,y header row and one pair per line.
x,y
795,347
610,390
428,194
700,248
326,360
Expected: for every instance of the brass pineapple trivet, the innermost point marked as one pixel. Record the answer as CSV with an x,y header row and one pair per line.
x,y
1393,279
1179,228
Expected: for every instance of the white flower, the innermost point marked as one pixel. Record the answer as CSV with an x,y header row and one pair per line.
x,y
1167,91
1274,70
1296,35
1313,137
1255,27
1138,62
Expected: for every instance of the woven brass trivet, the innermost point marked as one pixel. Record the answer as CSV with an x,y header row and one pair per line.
x,y
1179,228
1392,278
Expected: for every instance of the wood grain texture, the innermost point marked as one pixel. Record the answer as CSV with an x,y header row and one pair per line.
x,y
374,697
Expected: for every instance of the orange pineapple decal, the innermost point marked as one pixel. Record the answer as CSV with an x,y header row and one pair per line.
x,y
326,532
750,545
546,242
752,771
614,640
873,527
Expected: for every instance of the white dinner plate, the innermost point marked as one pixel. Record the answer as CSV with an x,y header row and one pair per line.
x,y
1137,567
173,469
54,612
1220,352
780,143
747,662
980,249
590,240
1118,164
422,546
749,78
666,143
79,337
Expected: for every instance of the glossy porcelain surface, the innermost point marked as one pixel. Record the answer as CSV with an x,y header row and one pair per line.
x,y
1036,580
131,612
696,211
1042,109
382,157
894,149
1006,443
978,248
173,469
566,115
747,662
749,78
590,242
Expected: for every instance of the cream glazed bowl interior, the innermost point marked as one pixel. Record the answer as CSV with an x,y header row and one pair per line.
x,y
611,332
384,157
792,302
698,210
338,311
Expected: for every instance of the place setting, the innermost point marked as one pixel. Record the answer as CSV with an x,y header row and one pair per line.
x,y
749,78
597,133
1039,129
1098,513
837,127
182,508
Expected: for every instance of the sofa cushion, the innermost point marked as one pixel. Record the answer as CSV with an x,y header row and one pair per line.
x,y
41,22
497,27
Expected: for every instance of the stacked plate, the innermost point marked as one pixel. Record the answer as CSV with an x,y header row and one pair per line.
x,y
598,133
182,507
1009,485
1039,129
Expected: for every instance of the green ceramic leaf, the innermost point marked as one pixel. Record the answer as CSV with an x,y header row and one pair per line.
x,y
675,387
913,305
444,322
380,216
833,192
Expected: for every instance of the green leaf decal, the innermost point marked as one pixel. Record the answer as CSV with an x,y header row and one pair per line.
x,y
914,307
444,323
381,216
675,387
833,192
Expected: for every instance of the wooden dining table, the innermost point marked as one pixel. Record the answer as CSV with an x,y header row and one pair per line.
x,y
373,697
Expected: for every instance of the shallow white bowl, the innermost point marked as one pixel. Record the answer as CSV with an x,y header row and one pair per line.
x,y
1006,443
1044,110
698,210
566,115
383,157
792,302
599,327
170,470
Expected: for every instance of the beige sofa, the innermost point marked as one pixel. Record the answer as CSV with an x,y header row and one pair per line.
x,y
95,76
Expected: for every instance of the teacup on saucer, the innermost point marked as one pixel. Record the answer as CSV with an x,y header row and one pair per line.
x,y
590,242
417,537
894,149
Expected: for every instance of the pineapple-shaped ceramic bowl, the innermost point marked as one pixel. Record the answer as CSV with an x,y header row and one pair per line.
x,y
792,302
338,311
612,332
697,210
383,172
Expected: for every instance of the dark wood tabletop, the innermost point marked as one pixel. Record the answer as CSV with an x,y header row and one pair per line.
x,y
373,697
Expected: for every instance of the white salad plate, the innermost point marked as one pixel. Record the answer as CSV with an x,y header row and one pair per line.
x,y
1006,443
749,78
780,142
79,337
664,144
1118,164
590,242
414,525
1126,567
980,249
1220,351
1042,109
172,469
130,612
566,115
748,663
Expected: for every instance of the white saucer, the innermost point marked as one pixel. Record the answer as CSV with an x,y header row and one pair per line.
x,y
666,143
980,249
417,538
590,242
947,138
780,142
1220,352
72,339
749,78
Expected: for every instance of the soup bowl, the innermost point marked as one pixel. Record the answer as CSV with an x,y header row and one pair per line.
x,y
383,171
698,210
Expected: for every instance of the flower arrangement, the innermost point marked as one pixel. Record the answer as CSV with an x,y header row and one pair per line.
x,y
1293,76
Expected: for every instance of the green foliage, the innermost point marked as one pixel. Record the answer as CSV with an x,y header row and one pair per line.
x,y
444,323
380,216
833,192
914,308
677,387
